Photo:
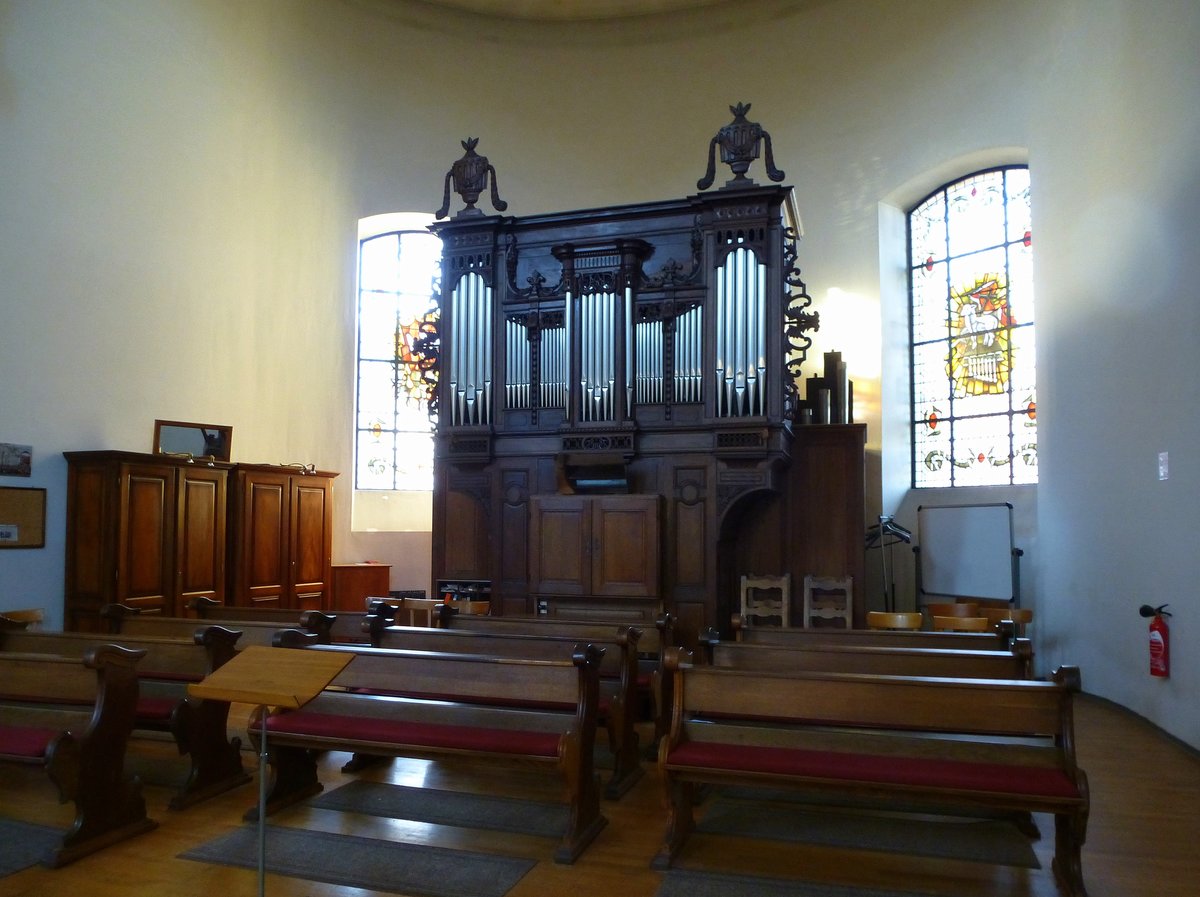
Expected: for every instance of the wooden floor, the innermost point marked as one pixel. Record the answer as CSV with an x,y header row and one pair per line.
x,y
1143,840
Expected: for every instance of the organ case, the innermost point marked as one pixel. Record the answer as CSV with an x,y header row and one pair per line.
x,y
653,338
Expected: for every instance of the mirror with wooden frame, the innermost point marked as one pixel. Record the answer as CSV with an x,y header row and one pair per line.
x,y
175,437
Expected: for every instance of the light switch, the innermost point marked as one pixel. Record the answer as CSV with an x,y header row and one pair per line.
x,y
1163,470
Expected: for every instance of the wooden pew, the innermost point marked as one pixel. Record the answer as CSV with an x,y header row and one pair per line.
x,y
73,717
199,728
1015,663
343,627
124,620
973,744
618,676
997,640
653,681
477,706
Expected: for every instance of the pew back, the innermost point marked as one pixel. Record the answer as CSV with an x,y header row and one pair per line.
x,y
879,660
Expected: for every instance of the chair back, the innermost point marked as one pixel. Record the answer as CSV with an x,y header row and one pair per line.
x,y
878,619
961,624
1019,615
829,601
954,609
417,612
766,600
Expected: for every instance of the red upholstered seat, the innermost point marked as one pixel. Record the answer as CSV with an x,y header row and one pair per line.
x,y
603,704
155,709
951,774
169,676
402,732
25,742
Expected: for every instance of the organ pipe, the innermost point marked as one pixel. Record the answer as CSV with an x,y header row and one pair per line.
x,y
740,335
470,358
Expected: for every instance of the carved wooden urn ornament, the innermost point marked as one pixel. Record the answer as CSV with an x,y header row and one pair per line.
x,y
470,176
739,141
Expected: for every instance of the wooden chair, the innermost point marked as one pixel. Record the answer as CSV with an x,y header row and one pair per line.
x,y
766,600
827,600
961,624
417,612
954,609
25,618
878,619
1021,616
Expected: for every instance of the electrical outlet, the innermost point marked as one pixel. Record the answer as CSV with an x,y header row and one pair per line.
x,y
1163,469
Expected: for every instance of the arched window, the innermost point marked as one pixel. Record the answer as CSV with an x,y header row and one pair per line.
x,y
399,264
974,396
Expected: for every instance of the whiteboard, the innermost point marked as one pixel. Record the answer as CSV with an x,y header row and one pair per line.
x,y
967,551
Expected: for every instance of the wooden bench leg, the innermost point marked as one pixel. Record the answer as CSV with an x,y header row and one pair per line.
x,y
681,822
108,808
623,743
293,778
584,821
359,761
200,728
1070,831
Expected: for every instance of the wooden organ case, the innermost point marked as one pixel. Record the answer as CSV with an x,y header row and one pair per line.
x,y
615,405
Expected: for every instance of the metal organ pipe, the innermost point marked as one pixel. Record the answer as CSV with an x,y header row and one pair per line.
x,y
687,356
517,386
628,351
471,363
741,337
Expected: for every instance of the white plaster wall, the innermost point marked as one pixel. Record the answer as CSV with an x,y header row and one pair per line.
x,y
182,183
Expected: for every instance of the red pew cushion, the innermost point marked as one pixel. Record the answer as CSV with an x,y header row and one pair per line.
x,y
952,774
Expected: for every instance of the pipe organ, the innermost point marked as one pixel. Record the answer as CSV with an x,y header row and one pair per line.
x,y
633,364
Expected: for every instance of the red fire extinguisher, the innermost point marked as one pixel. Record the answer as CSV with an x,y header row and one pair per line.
x,y
1160,640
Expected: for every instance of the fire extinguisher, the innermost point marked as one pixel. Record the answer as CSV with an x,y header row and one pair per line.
x,y
1160,640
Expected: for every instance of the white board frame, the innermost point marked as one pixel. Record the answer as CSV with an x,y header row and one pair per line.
x,y
968,551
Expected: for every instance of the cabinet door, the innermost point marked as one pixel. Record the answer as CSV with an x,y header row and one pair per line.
x,y
310,541
263,540
92,495
625,549
200,534
145,533
560,537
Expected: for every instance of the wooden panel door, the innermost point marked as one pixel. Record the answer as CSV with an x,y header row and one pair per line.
x,y
145,534
200,534
560,540
310,541
91,542
262,543
625,546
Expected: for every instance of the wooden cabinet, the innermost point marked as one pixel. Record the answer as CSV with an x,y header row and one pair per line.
x,y
282,537
157,531
353,584
143,530
601,547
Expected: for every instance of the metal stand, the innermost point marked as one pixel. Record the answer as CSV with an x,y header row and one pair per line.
x,y
262,804
877,537
270,677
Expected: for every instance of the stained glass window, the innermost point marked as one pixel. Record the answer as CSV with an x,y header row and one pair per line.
x,y
398,272
974,396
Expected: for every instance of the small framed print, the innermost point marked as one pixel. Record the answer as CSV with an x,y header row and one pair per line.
x,y
22,517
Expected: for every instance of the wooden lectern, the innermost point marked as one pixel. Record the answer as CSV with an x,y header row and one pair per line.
x,y
270,677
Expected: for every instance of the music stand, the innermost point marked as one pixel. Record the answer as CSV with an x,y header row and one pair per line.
x,y
270,677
